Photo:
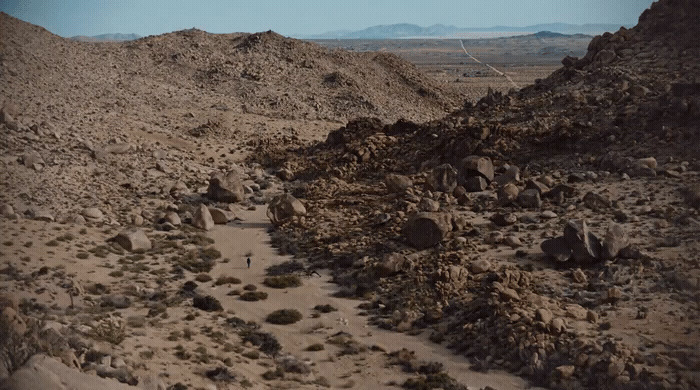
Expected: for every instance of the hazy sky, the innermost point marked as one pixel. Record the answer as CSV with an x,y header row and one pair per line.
x,y
298,17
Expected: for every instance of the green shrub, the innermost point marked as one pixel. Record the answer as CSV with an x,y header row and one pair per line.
x,y
315,347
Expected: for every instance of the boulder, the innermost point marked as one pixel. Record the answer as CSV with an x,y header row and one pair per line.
x,y
225,187
511,175
530,199
92,213
614,241
391,264
424,230
397,183
202,218
221,216
585,246
536,185
133,239
477,166
508,193
475,184
480,266
596,202
429,205
44,372
285,207
442,178
557,248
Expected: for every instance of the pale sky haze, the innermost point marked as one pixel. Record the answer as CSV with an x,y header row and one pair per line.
x,y
303,17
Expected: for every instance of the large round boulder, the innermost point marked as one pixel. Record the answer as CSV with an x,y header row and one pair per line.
x,y
424,230
225,187
285,207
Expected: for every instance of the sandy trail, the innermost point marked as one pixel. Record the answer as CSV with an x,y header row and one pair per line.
x,y
250,236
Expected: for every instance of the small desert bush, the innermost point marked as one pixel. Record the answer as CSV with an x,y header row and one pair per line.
x,y
433,381
315,347
252,296
203,278
266,342
284,316
221,280
282,281
325,308
110,329
250,287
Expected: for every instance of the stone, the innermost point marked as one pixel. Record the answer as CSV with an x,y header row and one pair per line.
x,y
513,242
575,311
565,371
285,207
592,316
424,230
507,194
285,174
225,187
44,372
557,248
543,315
117,301
221,217
45,216
557,325
477,166
560,190
14,322
530,199
9,300
92,213
596,202
480,266
429,205
548,214
475,184
584,245
442,178
649,162
494,238
614,241
579,276
397,183
30,158
202,218
536,185
511,175
7,211
391,264
173,218
692,195
133,239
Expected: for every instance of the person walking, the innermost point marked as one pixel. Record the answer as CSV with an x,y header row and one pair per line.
x,y
248,261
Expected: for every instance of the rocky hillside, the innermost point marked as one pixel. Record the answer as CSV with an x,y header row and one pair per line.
x,y
550,231
262,73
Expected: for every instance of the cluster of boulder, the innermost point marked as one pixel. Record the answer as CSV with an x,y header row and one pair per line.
x,y
582,246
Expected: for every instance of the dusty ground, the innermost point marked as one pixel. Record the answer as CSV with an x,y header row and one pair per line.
x,y
100,138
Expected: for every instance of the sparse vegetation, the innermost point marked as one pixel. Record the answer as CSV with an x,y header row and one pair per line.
x,y
282,281
284,317
252,296
325,308
315,347
110,329
221,280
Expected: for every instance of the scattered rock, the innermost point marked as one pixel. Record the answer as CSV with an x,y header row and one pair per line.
x,y
284,208
397,183
133,240
202,218
443,178
557,248
507,194
584,245
480,266
225,187
424,230
614,241
530,199
477,166
220,216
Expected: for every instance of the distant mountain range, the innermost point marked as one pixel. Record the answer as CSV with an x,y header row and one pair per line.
x,y
106,38
405,30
